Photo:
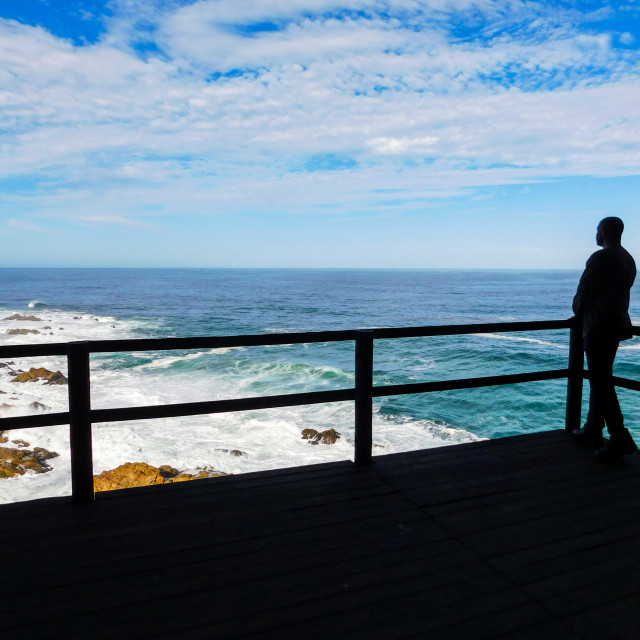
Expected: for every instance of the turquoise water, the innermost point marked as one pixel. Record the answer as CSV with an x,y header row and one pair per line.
x,y
104,303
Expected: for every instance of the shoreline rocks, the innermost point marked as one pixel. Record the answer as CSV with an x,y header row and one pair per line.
x,y
33,375
16,462
141,474
328,436
18,316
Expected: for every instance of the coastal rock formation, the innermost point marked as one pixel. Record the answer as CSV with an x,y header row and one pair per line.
x,y
141,474
14,462
17,316
33,375
236,453
328,436
21,332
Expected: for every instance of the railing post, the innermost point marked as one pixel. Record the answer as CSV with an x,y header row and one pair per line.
x,y
575,379
80,422
364,396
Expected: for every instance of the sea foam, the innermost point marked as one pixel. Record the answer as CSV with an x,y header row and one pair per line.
x,y
260,440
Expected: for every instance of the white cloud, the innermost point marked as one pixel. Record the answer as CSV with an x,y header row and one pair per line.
x,y
96,125
100,220
627,38
403,145
24,225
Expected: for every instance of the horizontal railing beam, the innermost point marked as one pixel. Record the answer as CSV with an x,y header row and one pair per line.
x,y
460,329
31,422
220,406
626,383
467,383
33,350
219,342
253,340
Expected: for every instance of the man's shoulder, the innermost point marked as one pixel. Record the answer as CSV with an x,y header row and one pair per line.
x,y
627,255
596,257
608,253
619,253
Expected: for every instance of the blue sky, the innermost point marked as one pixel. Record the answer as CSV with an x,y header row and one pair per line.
x,y
317,133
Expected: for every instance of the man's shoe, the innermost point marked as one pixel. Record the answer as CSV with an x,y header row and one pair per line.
x,y
588,437
619,445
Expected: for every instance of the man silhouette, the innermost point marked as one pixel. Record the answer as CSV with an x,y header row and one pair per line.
x,y
602,303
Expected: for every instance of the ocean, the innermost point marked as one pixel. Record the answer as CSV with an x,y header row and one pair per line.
x,y
88,304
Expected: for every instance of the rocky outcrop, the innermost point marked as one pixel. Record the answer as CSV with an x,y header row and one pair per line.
x,y
236,453
141,474
38,405
17,316
328,436
16,462
33,375
21,332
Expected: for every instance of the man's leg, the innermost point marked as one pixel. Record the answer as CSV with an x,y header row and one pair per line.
x,y
600,366
603,400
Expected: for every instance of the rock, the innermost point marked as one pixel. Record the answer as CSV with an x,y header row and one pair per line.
x,y
21,332
17,316
4,405
168,472
141,474
185,477
130,474
33,375
22,444
328,436
3,438
14,462
47,327
6,364
236,453
3,393
38,405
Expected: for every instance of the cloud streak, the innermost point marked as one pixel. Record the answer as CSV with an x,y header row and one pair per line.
x,y
234,100
23,225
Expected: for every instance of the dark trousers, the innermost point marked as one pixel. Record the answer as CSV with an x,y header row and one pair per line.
x,y
603,401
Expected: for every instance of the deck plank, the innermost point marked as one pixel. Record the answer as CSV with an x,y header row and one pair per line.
x,y
523,537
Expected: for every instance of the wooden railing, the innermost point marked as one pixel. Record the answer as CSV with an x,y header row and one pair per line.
x,y
80,416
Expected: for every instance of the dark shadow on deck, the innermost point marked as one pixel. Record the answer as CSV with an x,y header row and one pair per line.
x,y
523,537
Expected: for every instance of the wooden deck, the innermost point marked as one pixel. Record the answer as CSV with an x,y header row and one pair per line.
x,y
524,537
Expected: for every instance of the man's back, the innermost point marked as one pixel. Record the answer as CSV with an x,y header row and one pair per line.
x,y
602,299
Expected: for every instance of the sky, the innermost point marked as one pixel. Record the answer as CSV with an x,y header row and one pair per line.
x,y
316,133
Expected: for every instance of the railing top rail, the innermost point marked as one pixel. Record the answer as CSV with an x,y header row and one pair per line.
x,y
33,350
214,342
461,329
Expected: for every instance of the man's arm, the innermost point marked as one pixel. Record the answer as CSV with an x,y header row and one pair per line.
x,y
589,284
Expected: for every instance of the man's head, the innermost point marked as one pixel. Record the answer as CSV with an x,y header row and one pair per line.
x,y
609,231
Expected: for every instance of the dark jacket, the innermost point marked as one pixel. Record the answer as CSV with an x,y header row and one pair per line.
x,y
602,299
